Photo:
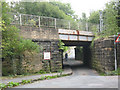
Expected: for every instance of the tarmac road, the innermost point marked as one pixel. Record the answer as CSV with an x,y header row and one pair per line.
x,y
82,77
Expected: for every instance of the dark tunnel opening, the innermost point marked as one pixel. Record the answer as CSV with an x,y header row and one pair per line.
x,y
82,55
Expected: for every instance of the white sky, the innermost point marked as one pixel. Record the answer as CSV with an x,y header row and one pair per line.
x,y
80,6
86,6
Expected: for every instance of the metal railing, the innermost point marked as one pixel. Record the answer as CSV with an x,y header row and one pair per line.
x,y
42,21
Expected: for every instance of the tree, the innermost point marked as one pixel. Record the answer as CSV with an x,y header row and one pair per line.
x,y
40,8
65,7
12,44
118,18
94,17
110,19
83,21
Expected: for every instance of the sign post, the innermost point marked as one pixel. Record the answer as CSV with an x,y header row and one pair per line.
x,y
116,40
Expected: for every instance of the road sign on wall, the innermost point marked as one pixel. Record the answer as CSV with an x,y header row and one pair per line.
x,y
47,55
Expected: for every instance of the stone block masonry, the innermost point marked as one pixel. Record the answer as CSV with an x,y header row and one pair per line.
x,y
55,63
79,53
103,58
48,40
36,33
30,62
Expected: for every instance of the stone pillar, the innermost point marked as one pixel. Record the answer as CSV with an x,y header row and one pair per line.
x,y
56,59
55,63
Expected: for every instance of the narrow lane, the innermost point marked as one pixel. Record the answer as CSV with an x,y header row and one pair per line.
x,y
82,78
78,68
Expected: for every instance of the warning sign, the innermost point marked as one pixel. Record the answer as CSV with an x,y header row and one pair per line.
x,y
47,56
118,39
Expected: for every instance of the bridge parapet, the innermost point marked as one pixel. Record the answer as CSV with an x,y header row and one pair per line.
x,y
36,33
75,35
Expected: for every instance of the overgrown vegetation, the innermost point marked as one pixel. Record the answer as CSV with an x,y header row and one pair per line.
x,y
13,84
110,20
13,45
111,73
48,9
54,9
62,46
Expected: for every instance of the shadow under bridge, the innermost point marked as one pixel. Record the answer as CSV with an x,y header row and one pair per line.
x,y
81,40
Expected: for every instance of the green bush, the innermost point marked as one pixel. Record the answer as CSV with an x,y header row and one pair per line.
x,y
2,86
12,84
12,43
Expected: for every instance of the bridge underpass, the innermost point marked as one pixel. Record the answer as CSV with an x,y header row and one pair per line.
x,y
81,40
47,35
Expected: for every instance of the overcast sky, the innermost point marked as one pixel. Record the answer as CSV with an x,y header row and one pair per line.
x,y
80,6
86,6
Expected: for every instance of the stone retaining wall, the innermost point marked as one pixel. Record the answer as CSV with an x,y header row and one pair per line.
x,y
48,40
28,63
103,58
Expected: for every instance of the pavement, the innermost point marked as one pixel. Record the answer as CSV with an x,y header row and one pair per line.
x,y
66,71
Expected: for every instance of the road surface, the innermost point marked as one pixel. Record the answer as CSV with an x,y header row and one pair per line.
x,y
82,77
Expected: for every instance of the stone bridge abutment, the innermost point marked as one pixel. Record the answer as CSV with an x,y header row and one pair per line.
x,y
100,56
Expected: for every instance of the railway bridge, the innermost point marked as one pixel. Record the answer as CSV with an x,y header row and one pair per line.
x,y
47,33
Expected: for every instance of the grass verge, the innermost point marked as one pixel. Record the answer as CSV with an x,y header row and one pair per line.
x,y
13,84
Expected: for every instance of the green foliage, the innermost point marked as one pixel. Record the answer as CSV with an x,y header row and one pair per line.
x,y
26,81
12,44
9,85
42,72
42,77
39,8
111,73
12,84
94,17
65,7
110,20
83,21
62,47
5,16
117,72
32,22
2,86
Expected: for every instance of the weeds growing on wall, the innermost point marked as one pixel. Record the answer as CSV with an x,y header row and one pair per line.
x,y
62,46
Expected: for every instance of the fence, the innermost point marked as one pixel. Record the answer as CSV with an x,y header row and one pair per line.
x,y
42,21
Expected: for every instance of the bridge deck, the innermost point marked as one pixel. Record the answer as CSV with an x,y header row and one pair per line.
x,y
75,35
